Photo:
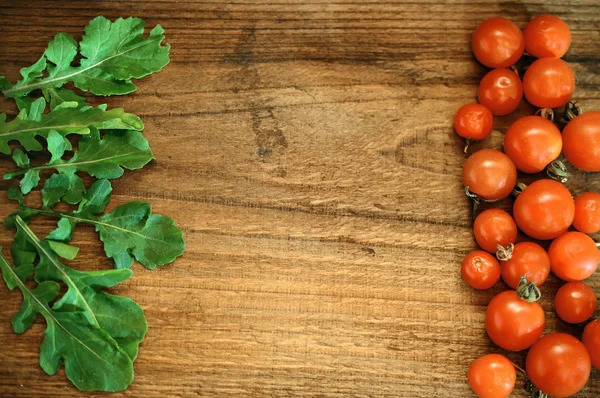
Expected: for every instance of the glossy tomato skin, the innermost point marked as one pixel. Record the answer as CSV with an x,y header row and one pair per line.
x,y
573,256
548,83
501,91
591,340
512,323
587,213
575,302
490,174
480,270
492,376
581,141
547,36
498,43
473,121
494,227
530,259
544,210
559,365
532,142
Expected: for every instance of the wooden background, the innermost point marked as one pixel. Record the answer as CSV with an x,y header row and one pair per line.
x,y
306,149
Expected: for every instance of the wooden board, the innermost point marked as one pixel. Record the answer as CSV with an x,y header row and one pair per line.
x,y
306,149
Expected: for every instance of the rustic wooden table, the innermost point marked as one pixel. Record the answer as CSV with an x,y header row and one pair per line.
x,y
306,149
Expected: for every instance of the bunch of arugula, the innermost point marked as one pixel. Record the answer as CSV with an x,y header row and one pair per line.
x,y
95,334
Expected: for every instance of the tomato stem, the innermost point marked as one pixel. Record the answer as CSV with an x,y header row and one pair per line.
x,y
558,171
520,187
546,113
504,253
467,143
572,110
528,291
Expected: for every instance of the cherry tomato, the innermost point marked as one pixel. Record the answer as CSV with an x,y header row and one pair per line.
x,y
573,256
581,141
490,174
591,340
513,323
473,121
587,213
547,36
532,142
480,270
529,259
559,365
575,302
498,43
548,83
501,91
544,210
494,227
492,376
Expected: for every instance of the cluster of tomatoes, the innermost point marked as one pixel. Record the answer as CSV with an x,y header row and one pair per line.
x,y
557,364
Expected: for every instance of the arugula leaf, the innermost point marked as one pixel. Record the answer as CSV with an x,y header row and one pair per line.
x,y
93,360
64,119
84,293
112,53
104,157
56,96
129,231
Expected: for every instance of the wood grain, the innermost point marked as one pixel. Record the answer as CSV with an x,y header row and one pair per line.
x,y
306,149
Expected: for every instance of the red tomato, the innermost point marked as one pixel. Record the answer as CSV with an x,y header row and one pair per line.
x,y
591,340
492,376
501,91
498,43
575,302
480,270
548,83
513,323
490,174
532,142
587,213
529,259
573,256
559,365
581,141
473,121
547,36
494,227
544,210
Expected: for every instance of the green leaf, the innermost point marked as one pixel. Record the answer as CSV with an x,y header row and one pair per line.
x,y
57,96
64,232
105,157
20,158
93,360
15,194
63,250
119,316
63,120
112,53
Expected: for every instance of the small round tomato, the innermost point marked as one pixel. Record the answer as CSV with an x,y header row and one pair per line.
x,y
544,210
473,121
575,302
513,323
581,141
573,256
548,83
494,227
480,270
559,365
532,142
547,36
498,43
591,340
492,376
490,174
501,91
587,213
527,258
